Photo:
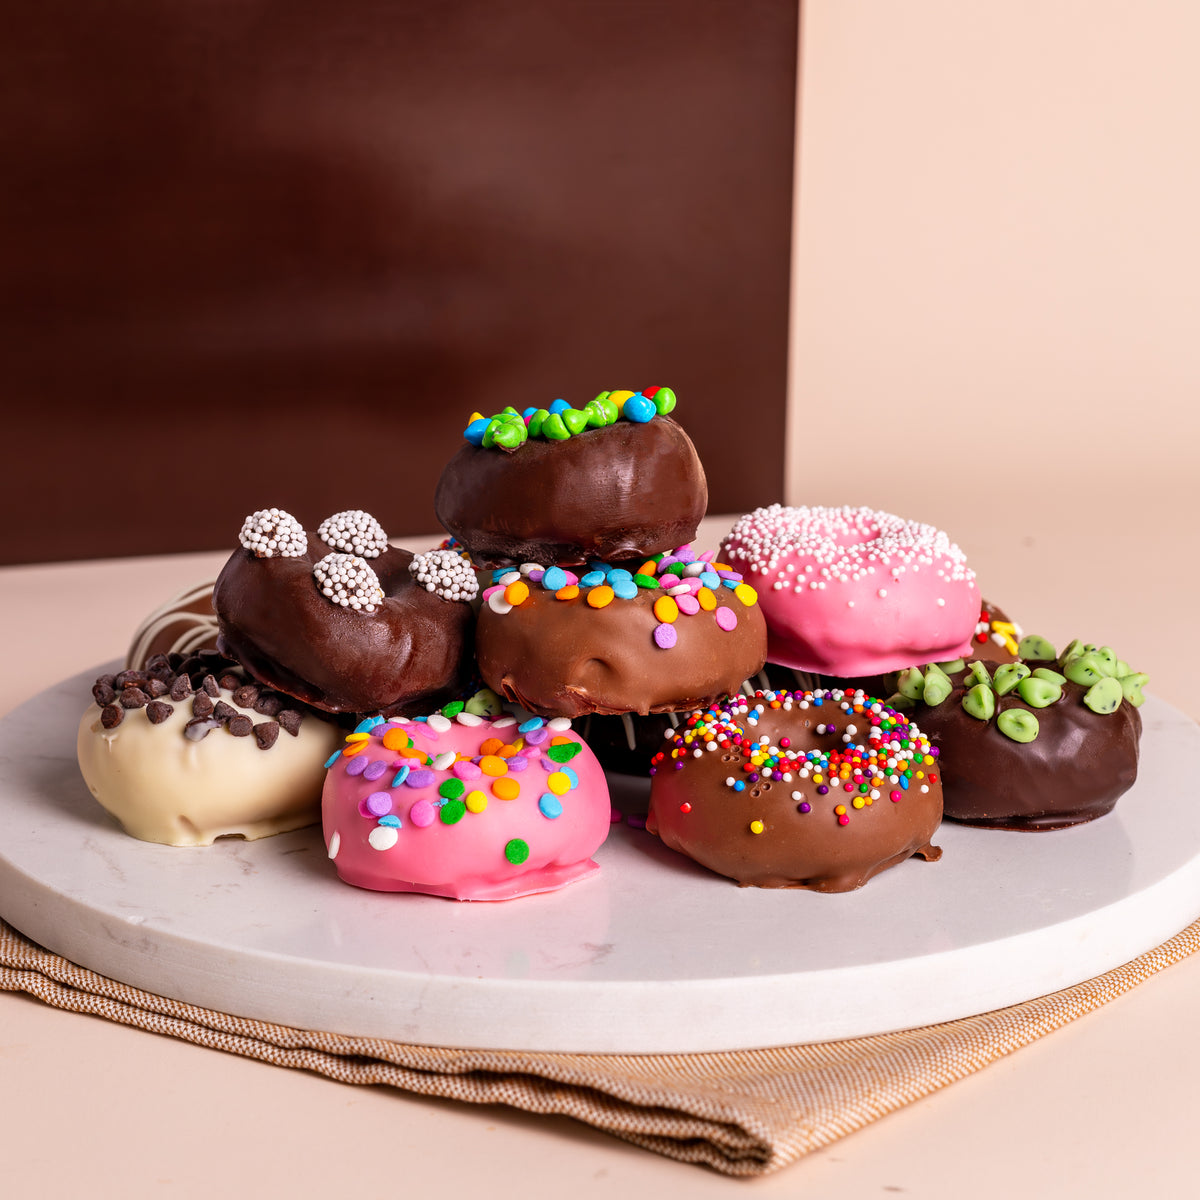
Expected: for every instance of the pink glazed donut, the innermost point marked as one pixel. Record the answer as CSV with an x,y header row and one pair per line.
x,y
470,807
851,592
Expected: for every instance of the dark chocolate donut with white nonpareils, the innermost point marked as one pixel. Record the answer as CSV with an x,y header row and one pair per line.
x,y
617,479
340,619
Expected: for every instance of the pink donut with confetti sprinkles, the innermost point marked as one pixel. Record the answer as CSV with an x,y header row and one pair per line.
x,y
464,806
851,592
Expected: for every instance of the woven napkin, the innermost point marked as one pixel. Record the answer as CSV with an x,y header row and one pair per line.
x,y
744,1112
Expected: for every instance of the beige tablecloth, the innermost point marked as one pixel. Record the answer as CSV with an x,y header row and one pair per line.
x,y
745,1112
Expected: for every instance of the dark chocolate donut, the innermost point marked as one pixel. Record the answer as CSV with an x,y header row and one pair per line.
x,y
1042,742
996,636
340,631
612,492
616,640
818,790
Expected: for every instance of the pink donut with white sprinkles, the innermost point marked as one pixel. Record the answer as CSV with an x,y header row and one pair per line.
x,y
464,806
850,591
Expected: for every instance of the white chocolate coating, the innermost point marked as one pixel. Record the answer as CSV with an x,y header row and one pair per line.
x,y
163,787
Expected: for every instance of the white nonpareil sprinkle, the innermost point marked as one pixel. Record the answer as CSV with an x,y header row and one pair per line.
x,y
273,533
349,581
354,532
445,573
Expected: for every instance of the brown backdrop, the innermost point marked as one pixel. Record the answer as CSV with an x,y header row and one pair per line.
x,y
259,253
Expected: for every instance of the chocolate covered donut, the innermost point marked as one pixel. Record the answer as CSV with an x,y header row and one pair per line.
x,y
618,479
669,634
818,790
183,624
1042,742
342,620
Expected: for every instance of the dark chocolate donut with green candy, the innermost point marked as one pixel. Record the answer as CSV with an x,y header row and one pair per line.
x,y
1044,742
607,482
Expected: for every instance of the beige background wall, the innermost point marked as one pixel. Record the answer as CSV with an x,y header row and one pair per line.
x,y
996,302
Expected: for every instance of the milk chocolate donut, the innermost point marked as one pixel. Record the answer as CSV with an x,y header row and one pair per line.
x,y
1043,742
818,790
605,489
183,624
343,621
668,634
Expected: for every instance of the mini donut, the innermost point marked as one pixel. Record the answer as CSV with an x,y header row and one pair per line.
x,y
342,620
464,806
1043,742
669,634
818,790
850,592
181,625
606,489
184,752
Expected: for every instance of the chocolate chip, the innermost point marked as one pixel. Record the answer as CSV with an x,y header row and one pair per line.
x,y
289,720
211,686
200,727
156,688
268,704
202,706
110,680
103,693
265,734
230,682
125,678
240,725
133,697
157,663
181,689
112,716
158,711
245,695
223,711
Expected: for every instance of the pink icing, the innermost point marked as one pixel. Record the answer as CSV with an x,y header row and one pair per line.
x,y
466,859
850,591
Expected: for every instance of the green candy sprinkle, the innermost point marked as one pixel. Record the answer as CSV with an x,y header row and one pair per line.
x,y
949,668
574,420
979,673
485,703
601,396
1131,687
979,702
1034,646
1105,696
452,812
664,401
516,851
564,751
911,683
509,436
611,412
489,434
1018,725
1074,650
595,415
451,789
554,428
1039,693
1008,675
937,687
537,421
1085,670
1107,659
1049,675
452,709
645,581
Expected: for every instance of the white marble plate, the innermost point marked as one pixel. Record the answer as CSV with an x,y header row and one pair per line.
x,y
652,954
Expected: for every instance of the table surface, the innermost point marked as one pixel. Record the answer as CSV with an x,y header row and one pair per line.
x,y
1101,1107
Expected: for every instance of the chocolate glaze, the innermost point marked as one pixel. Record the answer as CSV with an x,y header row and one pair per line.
x,y
1075,770
619,492
795,849
409,656
982,646
564,658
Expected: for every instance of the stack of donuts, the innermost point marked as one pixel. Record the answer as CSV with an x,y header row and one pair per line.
x,y
799,696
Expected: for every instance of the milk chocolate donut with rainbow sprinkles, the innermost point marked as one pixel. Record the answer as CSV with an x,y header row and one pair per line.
x,y
616,479
851,592
672,633
339,618
818,790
